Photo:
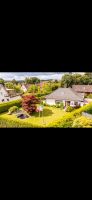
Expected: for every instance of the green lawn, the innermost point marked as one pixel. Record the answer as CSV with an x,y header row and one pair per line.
x,y
50,114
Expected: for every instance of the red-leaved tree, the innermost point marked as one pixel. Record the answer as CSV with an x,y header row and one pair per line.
x,y
29,103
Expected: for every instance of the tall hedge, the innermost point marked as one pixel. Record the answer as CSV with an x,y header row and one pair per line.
x,y
66,121
5,106
7,122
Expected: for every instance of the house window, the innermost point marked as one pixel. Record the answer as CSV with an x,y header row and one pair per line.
x,y
7,99
2,100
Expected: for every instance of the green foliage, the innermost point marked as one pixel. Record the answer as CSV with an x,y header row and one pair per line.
x,y
13,109
68,118
16,87
67,80
54,86
7,122
32,80
5,106
14,81
1,81
73,79
82,122
9,85
59,105
33,89
70,109
89,96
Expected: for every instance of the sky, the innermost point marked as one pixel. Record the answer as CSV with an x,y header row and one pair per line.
x,y
22,75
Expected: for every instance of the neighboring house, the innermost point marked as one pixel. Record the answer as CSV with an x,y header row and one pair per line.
x,y
7,94
86,89
4,96
65,95
11,92
25,87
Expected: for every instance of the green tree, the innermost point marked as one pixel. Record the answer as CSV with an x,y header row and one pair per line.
x,y
67,80
14,81
1,81
35,80
9,85
54,86
33,89
17,88
32,80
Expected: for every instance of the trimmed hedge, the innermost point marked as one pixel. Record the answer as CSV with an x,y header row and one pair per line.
x,y
13,109
82,122
5,106
67,120
7,122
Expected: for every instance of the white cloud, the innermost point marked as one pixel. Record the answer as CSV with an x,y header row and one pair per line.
x,y
23,75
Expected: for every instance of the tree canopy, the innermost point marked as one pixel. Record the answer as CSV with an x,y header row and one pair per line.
x,y
32,80
1,81
76,79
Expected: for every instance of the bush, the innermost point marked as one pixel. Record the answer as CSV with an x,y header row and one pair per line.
x,y
89,108
67,120
29,103
7,122
13,109
57,105
82,122
4,107
61,105
70,109
89,96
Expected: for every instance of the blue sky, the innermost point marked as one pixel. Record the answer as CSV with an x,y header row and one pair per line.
x,y
23,75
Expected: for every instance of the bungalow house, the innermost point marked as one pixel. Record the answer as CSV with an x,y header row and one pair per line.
x,y
65,95
86,89
7,94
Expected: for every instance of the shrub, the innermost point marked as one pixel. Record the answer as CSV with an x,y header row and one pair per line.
x,y
29,103
57,105
44,104
61,105
69,109
7,122
82,122
5,106
13,109
89,96
66,121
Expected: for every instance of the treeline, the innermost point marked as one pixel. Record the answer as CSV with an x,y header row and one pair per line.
x,y
76,79
47,87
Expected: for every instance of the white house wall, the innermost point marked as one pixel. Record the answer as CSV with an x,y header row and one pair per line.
x,y
50,101
3,94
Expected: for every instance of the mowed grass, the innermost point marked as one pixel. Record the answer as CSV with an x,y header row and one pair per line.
x,y
50,114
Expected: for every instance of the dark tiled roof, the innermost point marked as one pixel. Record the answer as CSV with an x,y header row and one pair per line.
x,y
65,94
82,88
